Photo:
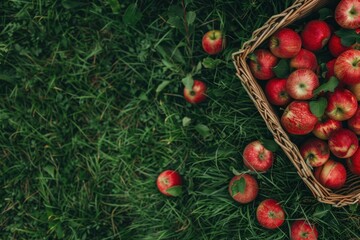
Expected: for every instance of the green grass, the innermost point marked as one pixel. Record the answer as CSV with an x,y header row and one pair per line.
x,y
91,111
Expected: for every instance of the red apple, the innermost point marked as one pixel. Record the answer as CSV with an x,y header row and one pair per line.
x,y
297,118
335,46
331,175
257,158
315,151
354,122
347,67
342,104
213,42
315,35
270,214
261,64
301,83
355,89
197,94
330,68
303,230
275,91
343,143
285,43
169,183
325,126
347,14
353,163
304,59
243,188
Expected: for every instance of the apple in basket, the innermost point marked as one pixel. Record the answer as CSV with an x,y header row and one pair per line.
x,y
315,35
325,126
243,188
301,84
261,64
303,230
347,14
353,163
213,42
335,46
315,151
275,91
270,214
343,143
342,104
304,59
347,67
285,43
354,122
331,175
256,157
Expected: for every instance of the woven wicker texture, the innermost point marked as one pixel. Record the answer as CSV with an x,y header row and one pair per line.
x,y
350,193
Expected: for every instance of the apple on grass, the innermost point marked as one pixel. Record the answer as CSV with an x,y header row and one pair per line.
x,y
303,230
347,67
270,214
261,64
169,183
285,43
304,59
213,42
275,91
315,152
342,104
301,84
256,157
354,122
325,126
197,93
243,188
347,14
353,163
331,175
343,143
315,35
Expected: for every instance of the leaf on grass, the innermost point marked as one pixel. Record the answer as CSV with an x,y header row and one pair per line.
x,y
348,36
325,13
132,15
209,62
203,130
353,207
50,170
270,145
238,186
174,191
190,17
317,107
322,210
234,171
188,81
197,69
186,121
328,86
115,5
282,69
162,85
176,22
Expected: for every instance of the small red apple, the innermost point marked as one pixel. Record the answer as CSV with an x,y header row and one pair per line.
x,y
303,230
343,143
325,126
347,14
261,64
347,67
304,59
342,104
243,188
354,122
197,94
297,118
301,83
335,46
213,42
275,91
330,68
270,214
315,35
353,163
315,151
169,183
285,43
355,89
331,175
256,157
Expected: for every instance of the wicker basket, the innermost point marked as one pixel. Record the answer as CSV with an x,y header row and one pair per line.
x,y
350,193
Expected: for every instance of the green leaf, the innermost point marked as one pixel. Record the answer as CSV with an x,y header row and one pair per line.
x,y
188,81
234,171
132,15
317,107
70,4
325,13
186,121
353,207
328,86
348,36
321,210
209,62
190,17
203,130
176,22
238,186
162,85
282,69
174,191
50,170
115,6
197,69
270,144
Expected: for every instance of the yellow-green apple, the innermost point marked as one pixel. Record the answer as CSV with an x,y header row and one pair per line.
x,y
315,151
335,46
353,163
304,59
347,14
355,89
354,122
275,91
303,230
297,118
330,68
270,214
325,126
243,188
213,42
347,67
315,35
256,157
197,94
343,143
301,83
169,183
331,175
342,104
261,64
285,43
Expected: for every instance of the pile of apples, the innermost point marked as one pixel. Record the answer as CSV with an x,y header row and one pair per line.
x,y
317,99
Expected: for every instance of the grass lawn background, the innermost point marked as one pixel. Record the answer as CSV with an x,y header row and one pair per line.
x,y
91,111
